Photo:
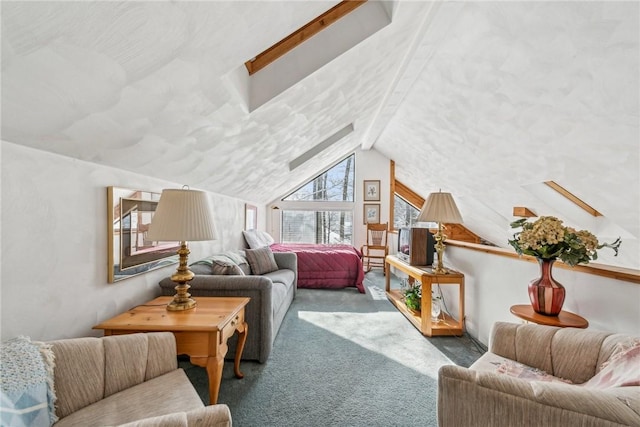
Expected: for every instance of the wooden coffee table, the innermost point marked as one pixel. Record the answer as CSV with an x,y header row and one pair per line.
x,y
565,319
201,332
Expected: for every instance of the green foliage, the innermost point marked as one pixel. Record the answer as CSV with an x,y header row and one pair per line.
x,y
413,296
547,238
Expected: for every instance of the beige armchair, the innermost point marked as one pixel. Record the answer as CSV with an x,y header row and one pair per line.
x,y
540,394
131,380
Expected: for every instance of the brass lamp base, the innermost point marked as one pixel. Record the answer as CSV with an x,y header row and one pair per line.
x,y
440,237
182,299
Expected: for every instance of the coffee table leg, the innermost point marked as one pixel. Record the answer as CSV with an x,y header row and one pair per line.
x,y
242,339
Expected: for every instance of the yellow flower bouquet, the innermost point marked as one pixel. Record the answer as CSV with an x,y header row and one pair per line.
x,y
548,238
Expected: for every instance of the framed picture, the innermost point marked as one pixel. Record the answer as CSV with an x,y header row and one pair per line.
x,y
372,190
250,217
371,213
130,252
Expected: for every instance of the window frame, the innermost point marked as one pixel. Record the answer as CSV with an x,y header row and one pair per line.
x,y
320,205
283,198
406,194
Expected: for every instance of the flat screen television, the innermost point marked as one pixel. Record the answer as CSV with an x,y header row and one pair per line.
x,y
416,246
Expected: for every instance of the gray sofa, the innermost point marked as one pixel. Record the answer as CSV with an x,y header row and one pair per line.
x,y
271,295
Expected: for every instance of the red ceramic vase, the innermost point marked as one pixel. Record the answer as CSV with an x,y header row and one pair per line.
x,y
545,293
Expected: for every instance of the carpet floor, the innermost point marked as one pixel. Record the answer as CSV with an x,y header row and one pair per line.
x,y
341,358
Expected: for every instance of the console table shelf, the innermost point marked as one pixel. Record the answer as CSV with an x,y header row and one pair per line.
x,y
422,320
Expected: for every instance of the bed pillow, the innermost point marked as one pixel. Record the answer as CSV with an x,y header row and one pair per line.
x,y
261,260
257,239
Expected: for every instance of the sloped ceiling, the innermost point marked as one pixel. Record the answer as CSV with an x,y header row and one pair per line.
x,y
485,100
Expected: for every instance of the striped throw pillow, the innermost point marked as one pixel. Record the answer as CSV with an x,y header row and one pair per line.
x,y
261,260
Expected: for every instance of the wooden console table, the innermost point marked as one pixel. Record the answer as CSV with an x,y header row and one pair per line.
x,y
565,319
201,332
422,320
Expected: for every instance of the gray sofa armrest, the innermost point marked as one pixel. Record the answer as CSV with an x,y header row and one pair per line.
x,y
476,398
258,312
209,416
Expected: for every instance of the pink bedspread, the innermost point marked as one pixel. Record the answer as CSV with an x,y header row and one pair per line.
x,y
326,266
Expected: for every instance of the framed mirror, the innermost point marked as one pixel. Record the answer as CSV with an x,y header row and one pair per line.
x,y
250,217
130,253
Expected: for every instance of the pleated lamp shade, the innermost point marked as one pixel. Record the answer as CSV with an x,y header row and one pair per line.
x,y
440,207
182,215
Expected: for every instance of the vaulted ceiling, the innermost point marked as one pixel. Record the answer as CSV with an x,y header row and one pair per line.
x,y
486,100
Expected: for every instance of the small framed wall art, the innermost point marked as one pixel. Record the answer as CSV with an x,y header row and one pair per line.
x,y
372,190
371,213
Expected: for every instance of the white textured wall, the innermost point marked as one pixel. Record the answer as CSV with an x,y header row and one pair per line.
x,y
495,283
54,244
370,165
515,93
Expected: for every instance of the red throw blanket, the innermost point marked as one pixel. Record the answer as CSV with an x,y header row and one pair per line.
x,y
326,266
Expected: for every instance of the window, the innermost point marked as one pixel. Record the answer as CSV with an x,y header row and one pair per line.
x,y
404,214
406,204
335,184
327,227
321,210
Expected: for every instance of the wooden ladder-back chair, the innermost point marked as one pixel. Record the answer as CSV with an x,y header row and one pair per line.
x,y
376,249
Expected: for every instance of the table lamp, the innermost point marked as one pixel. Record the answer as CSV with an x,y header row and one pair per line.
x,y
182,215
441,208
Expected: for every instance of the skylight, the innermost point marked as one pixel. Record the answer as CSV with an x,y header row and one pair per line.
x,y
307,50
300,35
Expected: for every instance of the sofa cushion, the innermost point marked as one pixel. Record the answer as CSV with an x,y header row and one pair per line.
x,y
519,370
261,260
71,356
148,399
211,258
490,362
223,261
226,268
209,416
200,268
285,276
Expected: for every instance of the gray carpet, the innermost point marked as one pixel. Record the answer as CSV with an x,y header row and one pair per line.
x,y
341,358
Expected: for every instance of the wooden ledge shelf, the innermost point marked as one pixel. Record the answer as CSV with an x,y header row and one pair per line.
x,y
609,271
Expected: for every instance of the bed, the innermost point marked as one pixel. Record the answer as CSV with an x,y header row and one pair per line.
x,y
319,266
326,266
